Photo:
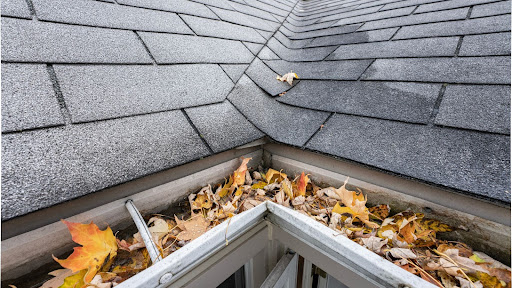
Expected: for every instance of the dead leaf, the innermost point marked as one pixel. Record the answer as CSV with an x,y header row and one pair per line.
x,y
239,174
192,228
301,185
97,245
288,77
274,176
374,244
58,280
381,211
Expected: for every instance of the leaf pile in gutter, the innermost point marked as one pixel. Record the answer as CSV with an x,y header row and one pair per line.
x,y
407,239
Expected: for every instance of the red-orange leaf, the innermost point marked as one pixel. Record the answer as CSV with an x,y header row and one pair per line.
x,y
239,175
97,245
302,184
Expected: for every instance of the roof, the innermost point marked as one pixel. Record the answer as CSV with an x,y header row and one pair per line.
x,y
95,94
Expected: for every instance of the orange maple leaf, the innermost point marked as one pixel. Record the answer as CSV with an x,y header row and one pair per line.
x,y
302,184
97,245
239,175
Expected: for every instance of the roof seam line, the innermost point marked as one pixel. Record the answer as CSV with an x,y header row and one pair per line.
x,y
369,65
318,130
459,44
64,110
470,10
437,104
183,20
197,131
249,120
145,47
31,9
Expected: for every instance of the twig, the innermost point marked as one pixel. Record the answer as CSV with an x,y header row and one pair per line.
x,y
425,272
226,234
455,263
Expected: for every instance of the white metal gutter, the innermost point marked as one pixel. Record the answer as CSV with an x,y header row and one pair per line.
x,y
360,267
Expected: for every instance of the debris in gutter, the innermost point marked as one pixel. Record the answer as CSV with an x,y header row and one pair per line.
x,y
288,77
407,239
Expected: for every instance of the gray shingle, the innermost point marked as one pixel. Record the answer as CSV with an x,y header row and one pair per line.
x,y
106,91
308,28
449,5
29,41
283,5
220,29
243,19
308,54
411,102
234,71
293,44
490,70
28,99
406,3
224,4
325,70
376,16
456,14
253,47
275,9
15,8
46,167
442,46
464,27
485,108
336,15
291,125
265,78
502,7
371,3
353,38
246,9
324,32
301,22
95,13
169,48
265,34
469,161
486,44
267,54
280,19
178,6
222,126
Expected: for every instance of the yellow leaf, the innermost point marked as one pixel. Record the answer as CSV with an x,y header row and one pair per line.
x,y
239,175
488,281
273,176
381,211
341,210
239,191
225,189
203,201
259,185
285,185
477,259
97,245
75,280
435,225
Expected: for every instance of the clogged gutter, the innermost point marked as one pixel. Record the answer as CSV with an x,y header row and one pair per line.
x,y
407,239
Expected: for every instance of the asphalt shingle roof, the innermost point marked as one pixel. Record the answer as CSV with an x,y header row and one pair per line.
x,y
95,94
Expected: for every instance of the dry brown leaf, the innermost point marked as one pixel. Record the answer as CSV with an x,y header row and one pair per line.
x,y
374,244
192,228
239,174
288,77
